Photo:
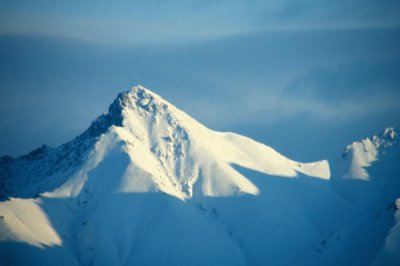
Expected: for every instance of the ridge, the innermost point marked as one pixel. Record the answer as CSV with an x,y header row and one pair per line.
x,y
386,138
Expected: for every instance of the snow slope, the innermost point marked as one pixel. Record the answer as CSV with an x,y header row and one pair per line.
x,y
368,175
372,165
147,184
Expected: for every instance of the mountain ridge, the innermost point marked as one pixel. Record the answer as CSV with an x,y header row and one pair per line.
x,y
141,116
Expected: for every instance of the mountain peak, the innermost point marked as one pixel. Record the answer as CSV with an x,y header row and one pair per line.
x,y
139,97
386,138
164,149
389,134
361,154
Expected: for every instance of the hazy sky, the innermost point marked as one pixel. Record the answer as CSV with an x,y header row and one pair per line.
x,y
305,77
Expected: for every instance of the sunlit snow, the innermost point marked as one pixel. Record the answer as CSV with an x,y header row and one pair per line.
x,y
146,184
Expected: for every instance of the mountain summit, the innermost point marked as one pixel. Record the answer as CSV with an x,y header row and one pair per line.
x,y
166,150
147,184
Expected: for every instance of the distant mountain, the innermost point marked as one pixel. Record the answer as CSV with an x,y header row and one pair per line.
x,y
372,165
146,184
368,175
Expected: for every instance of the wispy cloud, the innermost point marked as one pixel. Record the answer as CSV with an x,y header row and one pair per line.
x,y
348,90
311,14
173,21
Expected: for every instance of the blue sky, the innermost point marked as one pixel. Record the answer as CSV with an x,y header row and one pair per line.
x,y
306,77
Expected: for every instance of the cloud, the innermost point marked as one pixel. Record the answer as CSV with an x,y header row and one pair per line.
x,y
177,22
309,14
126,22
348,90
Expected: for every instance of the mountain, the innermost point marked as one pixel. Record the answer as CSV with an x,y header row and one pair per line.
x,y
147,184
368,175
372,165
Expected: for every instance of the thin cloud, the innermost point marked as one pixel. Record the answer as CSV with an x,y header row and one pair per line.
x,y
357,82
161,22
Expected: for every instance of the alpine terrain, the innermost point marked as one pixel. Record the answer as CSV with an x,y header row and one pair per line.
x,y
146,184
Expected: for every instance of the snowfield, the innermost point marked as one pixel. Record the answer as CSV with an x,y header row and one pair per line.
x,y
146,184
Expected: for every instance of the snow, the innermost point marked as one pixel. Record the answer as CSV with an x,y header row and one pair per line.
x,y
390,255
31,226
367,173
148,184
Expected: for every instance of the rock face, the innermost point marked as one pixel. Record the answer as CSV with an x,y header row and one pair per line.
x,y
148,184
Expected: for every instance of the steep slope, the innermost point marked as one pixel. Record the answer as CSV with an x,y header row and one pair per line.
x,y
147,184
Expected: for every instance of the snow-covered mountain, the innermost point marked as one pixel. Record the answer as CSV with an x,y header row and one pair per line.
x,y
146,184
368,175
